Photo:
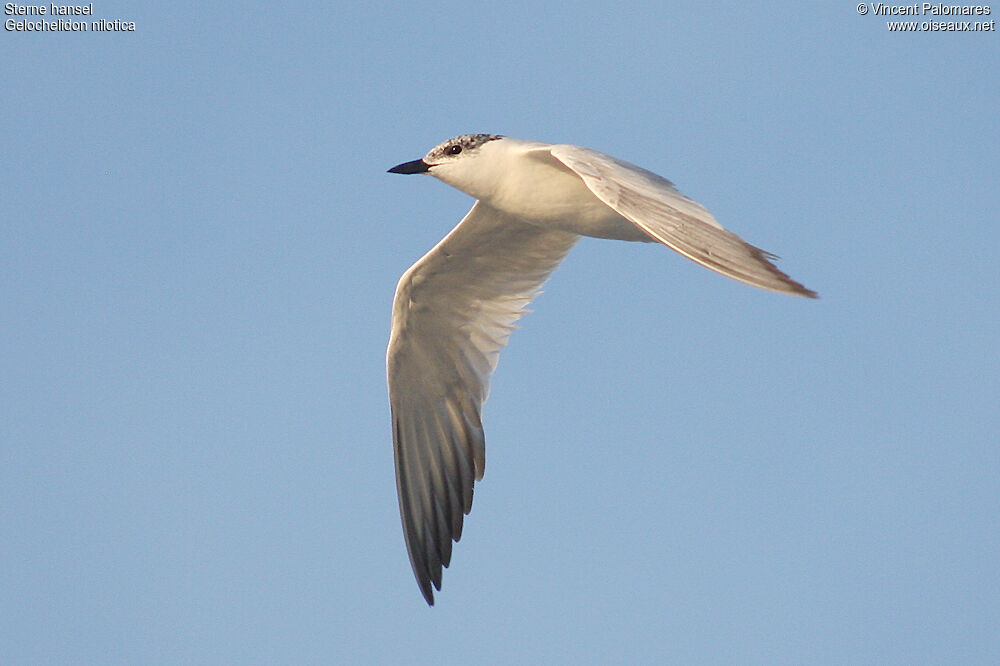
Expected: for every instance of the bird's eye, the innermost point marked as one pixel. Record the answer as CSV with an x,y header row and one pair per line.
x,y
454,150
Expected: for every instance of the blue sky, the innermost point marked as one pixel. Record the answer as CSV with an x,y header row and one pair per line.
x,y
198,250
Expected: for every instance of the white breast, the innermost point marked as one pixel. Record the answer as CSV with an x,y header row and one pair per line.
x,y
539,189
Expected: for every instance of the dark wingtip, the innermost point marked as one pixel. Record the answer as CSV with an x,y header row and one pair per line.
x,y
798,289
425,589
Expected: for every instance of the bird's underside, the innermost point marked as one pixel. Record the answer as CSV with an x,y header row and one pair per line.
x,y
455,309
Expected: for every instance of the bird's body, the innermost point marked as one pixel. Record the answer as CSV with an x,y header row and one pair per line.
x,y
523,179
455,308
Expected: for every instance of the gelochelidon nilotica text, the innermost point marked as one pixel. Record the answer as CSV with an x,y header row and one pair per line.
x,y
455,308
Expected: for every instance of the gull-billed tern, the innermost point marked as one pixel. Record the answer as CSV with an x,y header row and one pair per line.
x,y
455,308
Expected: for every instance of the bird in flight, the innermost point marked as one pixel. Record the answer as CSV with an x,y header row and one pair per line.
x,y
455,308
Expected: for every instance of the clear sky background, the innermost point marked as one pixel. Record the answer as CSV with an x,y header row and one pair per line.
x,y
198,250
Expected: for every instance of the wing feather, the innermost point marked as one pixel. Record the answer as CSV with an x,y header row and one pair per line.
x,y
653,204
452,315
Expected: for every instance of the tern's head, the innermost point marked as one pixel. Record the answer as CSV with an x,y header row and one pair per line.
x,y
458,161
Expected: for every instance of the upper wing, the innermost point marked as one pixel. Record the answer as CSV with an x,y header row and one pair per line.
x,y
453,312
653,204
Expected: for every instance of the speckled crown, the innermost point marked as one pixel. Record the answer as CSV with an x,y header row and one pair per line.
x,y
466,141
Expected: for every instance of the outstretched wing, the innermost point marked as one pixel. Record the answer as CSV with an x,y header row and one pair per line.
x,y
452,314
653,204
